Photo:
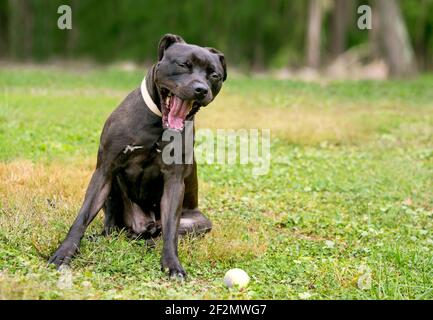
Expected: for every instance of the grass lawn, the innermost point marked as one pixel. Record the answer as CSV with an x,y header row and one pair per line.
x,y
345,212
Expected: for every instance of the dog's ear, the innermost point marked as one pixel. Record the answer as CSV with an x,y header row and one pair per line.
x,y
222,60
166,41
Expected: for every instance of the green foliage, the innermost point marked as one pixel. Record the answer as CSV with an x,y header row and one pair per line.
x,y
420,26
252,33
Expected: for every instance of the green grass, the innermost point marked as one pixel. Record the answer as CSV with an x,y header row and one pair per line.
x,y
345,212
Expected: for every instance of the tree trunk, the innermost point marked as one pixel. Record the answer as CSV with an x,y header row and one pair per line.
x,y
72,35
397,49
20,28
313,33
342,15
374,37
3,28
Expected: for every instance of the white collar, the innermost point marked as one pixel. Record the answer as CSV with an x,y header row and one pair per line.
x,y
148,100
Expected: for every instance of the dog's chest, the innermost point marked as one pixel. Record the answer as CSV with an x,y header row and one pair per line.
x,y
143,176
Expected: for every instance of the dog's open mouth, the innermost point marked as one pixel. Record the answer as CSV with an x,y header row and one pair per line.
x,y
175,110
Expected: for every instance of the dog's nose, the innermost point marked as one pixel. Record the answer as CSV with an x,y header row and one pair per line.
x,y
200,91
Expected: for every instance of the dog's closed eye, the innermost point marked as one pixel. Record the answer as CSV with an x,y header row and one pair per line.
x,y
185,64
215,76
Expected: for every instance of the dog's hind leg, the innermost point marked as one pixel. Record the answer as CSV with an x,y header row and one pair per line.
x,y
96,194
192,221
113,210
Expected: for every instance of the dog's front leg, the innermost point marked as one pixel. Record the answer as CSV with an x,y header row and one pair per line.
x,y
96,194
171,210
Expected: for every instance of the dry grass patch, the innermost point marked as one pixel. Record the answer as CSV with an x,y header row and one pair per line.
x,y
37,198
305,123
231,241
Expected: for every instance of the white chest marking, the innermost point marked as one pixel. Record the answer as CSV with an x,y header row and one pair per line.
x,y
129,148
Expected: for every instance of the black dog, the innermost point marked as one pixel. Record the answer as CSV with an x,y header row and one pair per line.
x,y
136,188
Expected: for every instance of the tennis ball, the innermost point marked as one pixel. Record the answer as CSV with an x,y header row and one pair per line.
x,y
236,278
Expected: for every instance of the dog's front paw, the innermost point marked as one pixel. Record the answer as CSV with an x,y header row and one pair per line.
x,y
62,256
173,268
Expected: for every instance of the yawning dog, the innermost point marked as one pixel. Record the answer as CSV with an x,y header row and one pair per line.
x,y
137,190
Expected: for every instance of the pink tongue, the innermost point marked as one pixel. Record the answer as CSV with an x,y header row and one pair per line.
x,y
178,112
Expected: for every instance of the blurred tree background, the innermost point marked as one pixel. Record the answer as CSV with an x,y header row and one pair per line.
x,y
254,34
